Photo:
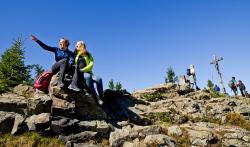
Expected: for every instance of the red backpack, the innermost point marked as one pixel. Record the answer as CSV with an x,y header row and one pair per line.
x,y
43,81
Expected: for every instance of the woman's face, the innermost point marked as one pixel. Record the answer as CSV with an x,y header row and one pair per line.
x,y
79,46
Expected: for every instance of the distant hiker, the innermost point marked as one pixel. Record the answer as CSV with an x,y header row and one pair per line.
x,y
83,68
233,85
192,77
216,88
242,88
63,56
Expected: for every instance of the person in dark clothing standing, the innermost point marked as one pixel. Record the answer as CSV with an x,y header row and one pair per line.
x,y
242,88
63,56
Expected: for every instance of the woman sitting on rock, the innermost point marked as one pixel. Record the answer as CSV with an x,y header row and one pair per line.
x,y
83,68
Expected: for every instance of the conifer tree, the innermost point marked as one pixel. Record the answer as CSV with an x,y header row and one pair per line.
x,y
12,68
170,76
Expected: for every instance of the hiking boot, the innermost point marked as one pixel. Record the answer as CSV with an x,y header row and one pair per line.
x,y
61,84
74,88
99,101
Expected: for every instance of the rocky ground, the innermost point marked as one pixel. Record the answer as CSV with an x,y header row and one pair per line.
x,y
164,115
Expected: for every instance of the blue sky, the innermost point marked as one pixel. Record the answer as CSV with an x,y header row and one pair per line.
x,y
135,41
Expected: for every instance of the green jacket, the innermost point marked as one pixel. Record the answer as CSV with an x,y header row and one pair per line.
x,y
89,60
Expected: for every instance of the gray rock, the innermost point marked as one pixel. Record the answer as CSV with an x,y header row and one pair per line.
x,y
174,130
103,127
135,143
73,104
40,103
80,137
38,122
19,125
247,138
23,90
243,109
119,136
87,108
87,125
234,142
62,107
160,140
65,126
236,135
7,120
200,138
96,126
13,103
85,145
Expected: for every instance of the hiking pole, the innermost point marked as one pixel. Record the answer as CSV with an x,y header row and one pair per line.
x,y
216,64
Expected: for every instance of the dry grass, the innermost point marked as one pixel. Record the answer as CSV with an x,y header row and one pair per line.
x,y
152,97
207,118
237,120
183,140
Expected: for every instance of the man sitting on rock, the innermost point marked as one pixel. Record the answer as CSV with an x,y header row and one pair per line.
x,y
63,56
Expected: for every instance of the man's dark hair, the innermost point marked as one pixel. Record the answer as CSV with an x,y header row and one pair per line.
x,y
66,41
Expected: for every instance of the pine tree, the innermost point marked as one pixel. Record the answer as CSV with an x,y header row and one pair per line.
x,y
171,77
12,68
111,85
210,84
38,69
118,86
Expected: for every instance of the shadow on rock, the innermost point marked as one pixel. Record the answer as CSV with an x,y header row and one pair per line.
x,y
117,106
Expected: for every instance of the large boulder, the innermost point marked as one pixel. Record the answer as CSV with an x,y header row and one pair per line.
x,y
13,103
243,109
128,133
159,140
98,126
175,130
73,104
19,125
7,120
23,90
38,122
80,137
166,91
64,126
120,107
40,103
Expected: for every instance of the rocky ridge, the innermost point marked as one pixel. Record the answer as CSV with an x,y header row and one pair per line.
x,y
163,115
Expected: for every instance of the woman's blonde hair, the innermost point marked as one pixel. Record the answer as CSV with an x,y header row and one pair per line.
x,y
83,44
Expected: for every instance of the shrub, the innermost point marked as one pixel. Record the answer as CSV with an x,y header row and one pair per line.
x,y
152,97
215,94
208,118
162,117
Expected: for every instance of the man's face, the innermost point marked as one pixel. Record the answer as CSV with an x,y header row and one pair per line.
x,y
62,44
